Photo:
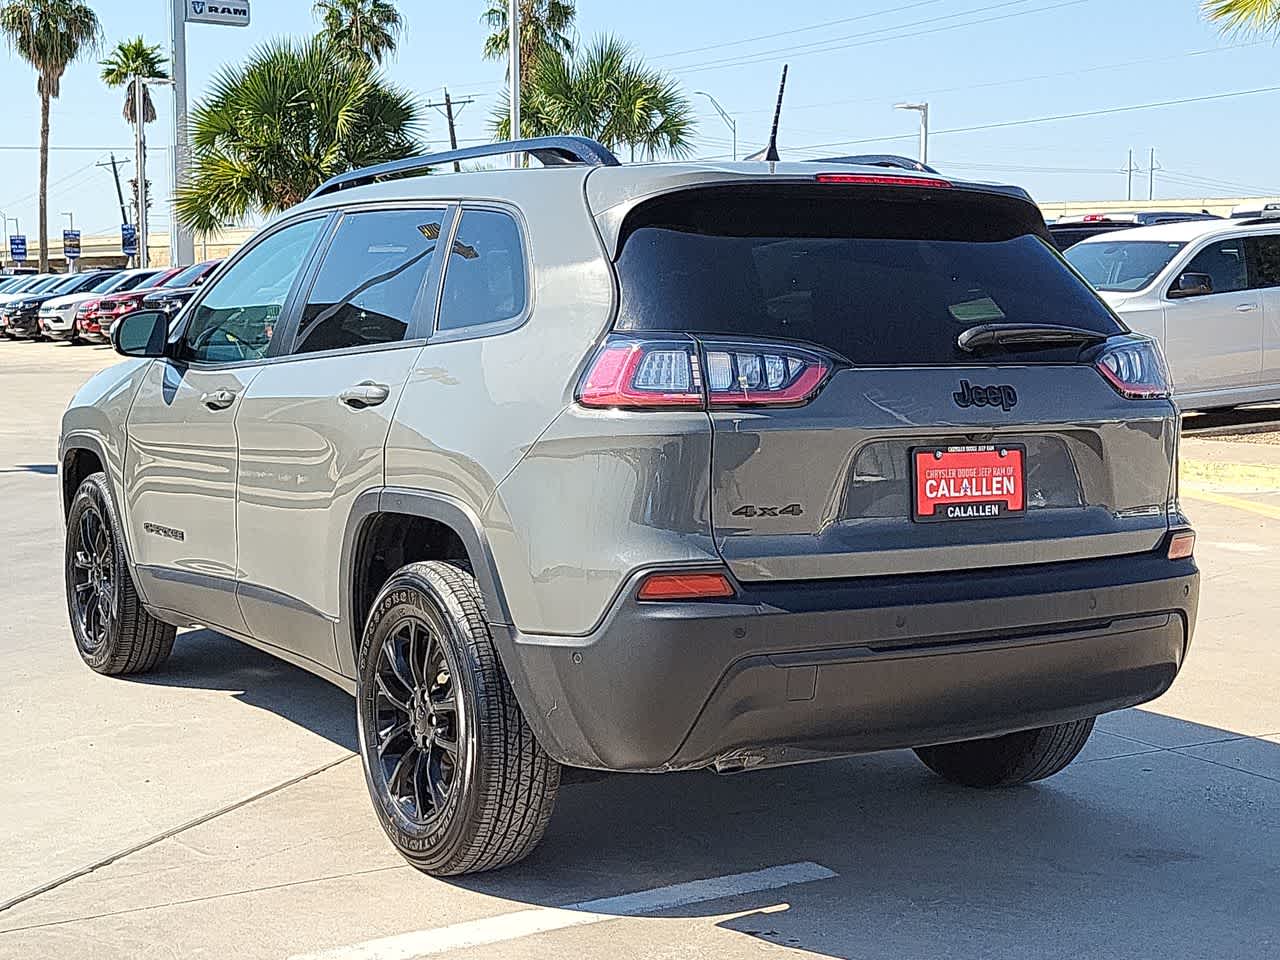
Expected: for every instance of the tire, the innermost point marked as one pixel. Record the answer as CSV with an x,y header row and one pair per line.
x,y
485,803
1007,761
113,632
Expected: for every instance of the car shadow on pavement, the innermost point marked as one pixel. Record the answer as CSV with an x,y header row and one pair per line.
x,y
47,469
207,660
1139,849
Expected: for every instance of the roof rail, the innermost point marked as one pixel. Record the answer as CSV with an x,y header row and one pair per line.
x,y
881,160
549,151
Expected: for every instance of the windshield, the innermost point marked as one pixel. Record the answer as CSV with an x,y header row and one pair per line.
x,y
128,281
1122,266
106,284
187,277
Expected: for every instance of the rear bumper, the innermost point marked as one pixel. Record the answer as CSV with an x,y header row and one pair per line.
x,y
790,672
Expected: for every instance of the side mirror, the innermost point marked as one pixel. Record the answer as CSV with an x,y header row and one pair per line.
x,y
1191,285
143,333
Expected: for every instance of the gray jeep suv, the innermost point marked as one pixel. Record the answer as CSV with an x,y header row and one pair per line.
x,y
643,468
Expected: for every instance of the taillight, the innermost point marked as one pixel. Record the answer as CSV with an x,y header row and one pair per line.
x,y
1135,367
762,375
638,374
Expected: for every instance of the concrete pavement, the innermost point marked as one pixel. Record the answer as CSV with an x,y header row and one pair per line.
x,y
1159,842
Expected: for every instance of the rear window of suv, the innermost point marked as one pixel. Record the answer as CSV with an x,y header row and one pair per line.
x,y
886,279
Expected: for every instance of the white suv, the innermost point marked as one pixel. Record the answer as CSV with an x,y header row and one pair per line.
x,y
1209,291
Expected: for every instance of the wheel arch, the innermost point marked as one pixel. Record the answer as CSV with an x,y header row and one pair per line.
x,y
419,525
80,458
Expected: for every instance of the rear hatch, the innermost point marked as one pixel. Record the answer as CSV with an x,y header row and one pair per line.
x,y
852,434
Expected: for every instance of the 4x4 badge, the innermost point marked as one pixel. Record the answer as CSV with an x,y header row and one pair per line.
x,y
1002,396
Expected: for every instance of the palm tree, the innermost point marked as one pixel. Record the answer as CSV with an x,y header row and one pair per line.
x,y
545,25
1262,16
603,92
49,35
363,29
130,59
276,126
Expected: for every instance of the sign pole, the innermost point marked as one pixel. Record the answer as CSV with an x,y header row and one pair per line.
x,y
182,244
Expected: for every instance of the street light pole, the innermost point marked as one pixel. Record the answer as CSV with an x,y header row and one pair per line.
x,y
923,110
513,44
733,125
140,165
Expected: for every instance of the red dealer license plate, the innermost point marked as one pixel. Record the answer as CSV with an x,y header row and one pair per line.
x,y
968,483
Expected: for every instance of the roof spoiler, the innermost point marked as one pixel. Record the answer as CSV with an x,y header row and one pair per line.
x,y
882,160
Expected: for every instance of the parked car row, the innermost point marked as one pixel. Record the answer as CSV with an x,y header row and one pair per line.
x,y
85,306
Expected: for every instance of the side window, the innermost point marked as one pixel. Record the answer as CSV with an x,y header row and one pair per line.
x,y
484,281
370,280
1224,263
237,318
1264,252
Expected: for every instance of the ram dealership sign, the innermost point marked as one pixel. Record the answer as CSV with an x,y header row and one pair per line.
x,y
227,14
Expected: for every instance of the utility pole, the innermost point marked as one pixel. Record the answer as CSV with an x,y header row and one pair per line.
x,y
182,242
513,67
1130,170
1151,175
448,105
115,171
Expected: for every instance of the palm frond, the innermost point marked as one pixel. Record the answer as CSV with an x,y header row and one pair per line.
x,y
1252,16
276,126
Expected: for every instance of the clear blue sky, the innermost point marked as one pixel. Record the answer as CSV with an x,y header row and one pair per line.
x,y
978,62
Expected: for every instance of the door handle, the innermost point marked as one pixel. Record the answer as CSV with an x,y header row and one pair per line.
x,y
1246,307
218,400
365,394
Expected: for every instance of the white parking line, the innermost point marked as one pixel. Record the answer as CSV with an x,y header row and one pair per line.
x,y
524,923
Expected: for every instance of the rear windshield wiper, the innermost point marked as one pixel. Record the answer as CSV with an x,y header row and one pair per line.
x,y
996,336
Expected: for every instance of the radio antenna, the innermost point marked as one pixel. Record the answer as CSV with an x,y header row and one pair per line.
x,y
771,152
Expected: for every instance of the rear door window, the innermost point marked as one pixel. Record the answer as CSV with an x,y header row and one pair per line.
x,y
880,281
370,284
1264,253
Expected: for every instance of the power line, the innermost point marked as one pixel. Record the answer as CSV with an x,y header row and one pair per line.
x,y
786,33
1106,111
856,40
61,180
1010,81
52,147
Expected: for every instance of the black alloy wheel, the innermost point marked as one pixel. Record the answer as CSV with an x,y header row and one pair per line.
x,y
114,632
419,721
93,578
457,778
